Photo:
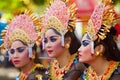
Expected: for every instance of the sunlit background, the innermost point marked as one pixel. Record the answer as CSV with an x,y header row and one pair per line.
x,y
8,8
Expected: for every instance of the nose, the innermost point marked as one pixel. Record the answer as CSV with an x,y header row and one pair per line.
x,y
79,49
15,55
48,44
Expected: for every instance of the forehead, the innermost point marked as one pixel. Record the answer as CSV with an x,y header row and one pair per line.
x,y
50,32
86,37
17,44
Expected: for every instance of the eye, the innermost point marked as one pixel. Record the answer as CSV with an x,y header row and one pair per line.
x,y
11,51
85,42
20,49
53,39
45,40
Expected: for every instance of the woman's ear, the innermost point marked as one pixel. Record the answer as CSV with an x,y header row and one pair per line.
x,y
99,50
33,54
67,40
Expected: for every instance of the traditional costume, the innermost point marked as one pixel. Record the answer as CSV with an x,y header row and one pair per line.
x,y
23,27
62,18
98,27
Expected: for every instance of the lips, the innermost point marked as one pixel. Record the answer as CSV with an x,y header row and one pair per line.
x,y
79,55
16,61
50,51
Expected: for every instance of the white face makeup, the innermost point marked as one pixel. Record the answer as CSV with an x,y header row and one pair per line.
x,y
52,43
85,54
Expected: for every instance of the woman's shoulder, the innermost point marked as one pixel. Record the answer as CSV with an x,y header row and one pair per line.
x,y
75,71
116,73
37,73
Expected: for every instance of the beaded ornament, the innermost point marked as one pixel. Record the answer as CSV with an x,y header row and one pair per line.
x,y
103,14
23,27
60,17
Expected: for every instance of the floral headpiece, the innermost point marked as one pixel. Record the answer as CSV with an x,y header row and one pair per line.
x,y
103,14
60,17
22,27
100,22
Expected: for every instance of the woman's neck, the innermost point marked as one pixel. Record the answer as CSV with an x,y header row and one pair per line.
x,y
100,65
63,59
27,67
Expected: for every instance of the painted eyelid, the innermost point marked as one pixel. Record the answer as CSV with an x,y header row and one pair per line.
x,y
45,40
85,40
53,38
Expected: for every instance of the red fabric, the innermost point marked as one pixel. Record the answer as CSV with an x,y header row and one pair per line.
x,y
117,27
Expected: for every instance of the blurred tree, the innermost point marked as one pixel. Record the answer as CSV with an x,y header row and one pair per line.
x,y
116,1
8,7
39,2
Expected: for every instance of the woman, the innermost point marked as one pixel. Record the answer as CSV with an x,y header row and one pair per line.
x,y
60,42
98,47
20,41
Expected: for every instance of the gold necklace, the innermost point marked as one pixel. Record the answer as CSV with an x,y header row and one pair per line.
x,y
23,76
56,73
91,74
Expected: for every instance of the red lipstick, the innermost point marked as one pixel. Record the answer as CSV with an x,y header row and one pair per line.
x,y
16,61
50,51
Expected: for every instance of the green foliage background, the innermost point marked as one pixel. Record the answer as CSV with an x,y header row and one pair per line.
x,y
8,7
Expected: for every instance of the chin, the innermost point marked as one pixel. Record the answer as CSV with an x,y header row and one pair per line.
x,y
81,60
17,66
52,56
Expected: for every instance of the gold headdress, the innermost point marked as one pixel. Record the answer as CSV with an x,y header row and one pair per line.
x,y
60,16
102,15
23,27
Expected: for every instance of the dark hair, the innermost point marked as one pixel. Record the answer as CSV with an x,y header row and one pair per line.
x,y
75,43
111,50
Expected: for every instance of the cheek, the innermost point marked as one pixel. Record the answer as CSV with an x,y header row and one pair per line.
x,y
24,55
86,52
58,49
57,45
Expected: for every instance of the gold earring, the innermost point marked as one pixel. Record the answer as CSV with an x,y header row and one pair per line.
x,y
33,57
97,53
67,46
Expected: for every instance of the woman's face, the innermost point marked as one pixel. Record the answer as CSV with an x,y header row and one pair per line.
x,y
53,44
19,54
85,54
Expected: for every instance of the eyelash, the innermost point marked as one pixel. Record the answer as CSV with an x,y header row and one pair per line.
x,y
20,49
51,39
85,43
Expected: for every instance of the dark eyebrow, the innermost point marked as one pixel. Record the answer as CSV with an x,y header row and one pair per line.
x,y
53,36
50,37
18,47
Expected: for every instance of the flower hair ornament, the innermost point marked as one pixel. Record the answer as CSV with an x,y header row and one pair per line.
x,y
23,27
59,16
101,21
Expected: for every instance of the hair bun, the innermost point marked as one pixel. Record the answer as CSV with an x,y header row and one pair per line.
x,y
113,31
